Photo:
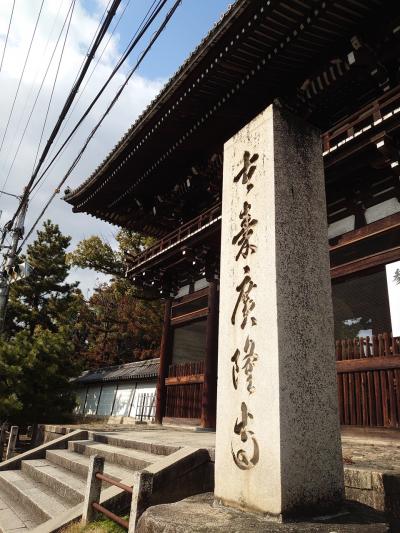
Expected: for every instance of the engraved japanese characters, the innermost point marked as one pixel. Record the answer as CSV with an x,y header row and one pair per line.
x,y
244,445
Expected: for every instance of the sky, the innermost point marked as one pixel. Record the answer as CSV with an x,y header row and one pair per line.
x,y
191,22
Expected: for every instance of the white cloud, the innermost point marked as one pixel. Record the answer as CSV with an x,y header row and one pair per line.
x,y
136,96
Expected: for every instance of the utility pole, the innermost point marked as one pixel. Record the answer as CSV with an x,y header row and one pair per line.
x,y
9,261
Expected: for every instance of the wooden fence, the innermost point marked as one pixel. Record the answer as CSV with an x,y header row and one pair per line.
x,y
368,371
184,390
368,377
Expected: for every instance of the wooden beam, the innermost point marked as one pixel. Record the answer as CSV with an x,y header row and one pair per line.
x,y
374,229
369,363
209,395
366,262
190,297
165,359
188,317
185,380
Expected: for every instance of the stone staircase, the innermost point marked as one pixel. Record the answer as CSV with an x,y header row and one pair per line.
x,y
45,488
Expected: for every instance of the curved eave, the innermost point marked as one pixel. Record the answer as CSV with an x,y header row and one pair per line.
x,y
258,54
166,92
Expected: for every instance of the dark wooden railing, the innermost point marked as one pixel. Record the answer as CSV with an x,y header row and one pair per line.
x,y
184,390
176,236
373,113
368,374
368,378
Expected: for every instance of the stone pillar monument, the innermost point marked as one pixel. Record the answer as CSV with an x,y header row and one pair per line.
x,y
278,439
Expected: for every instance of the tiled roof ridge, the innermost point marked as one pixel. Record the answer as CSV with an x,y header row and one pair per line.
x,y
164,90
122,365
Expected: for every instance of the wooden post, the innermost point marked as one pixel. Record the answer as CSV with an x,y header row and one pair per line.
x,y
93,489
165,356
208,403
11,442
3,430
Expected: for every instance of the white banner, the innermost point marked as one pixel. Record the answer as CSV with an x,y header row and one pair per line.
x,y
393,283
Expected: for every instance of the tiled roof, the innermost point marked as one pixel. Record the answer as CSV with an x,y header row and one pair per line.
x,y
129,371
164,92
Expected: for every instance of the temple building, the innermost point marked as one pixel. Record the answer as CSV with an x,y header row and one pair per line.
x,y
336,65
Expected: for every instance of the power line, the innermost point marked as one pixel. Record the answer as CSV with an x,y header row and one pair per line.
x,y
128,50
65,144
39,91
72,7
8,32
93,38
111,105
22,75
95,66
68,102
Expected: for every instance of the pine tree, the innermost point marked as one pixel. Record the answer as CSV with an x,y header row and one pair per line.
x,y
44,298
44,333
35,373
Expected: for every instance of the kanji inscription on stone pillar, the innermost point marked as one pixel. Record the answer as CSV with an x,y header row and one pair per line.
x,y
278,442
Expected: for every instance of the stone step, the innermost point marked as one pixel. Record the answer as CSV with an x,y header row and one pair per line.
x,y
79,464
36,498
14,518
130,458
68,485
122,442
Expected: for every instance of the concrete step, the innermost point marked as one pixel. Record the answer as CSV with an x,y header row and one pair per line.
x,y
130,458
68,485
14,518
36,498
79,464
122,442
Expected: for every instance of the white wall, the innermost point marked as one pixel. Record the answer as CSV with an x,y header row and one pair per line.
x,y
106,400
115,399
123,399
142,388
80,401
92,400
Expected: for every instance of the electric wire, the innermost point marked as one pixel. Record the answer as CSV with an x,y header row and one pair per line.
x,y
92,41
8,32
67,121
68,103
39,92
64,146
111,105
133,43
72,7
21,77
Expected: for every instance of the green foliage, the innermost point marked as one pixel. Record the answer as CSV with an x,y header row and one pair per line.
x,y
103,525
35,372
121,327
98,255
44,298
43,335
123,322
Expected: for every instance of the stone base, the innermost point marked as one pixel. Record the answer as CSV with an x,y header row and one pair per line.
x,y
199,514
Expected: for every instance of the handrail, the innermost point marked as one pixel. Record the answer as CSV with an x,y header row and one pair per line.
x,y
113,482
176,236
93,492
112,516
375,111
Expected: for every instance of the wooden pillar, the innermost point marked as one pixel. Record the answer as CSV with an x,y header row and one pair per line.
x,y
165,359
208,403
